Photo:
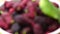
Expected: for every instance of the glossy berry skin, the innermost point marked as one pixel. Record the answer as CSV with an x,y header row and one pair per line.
x,y
23,3
47,24
7,6
15,27
11,10
7,17
31,9
3,23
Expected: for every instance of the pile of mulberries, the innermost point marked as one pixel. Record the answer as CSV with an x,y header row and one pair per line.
x,y
26,18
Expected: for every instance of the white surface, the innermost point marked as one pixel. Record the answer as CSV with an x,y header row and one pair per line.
x,y
2,2
3,32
